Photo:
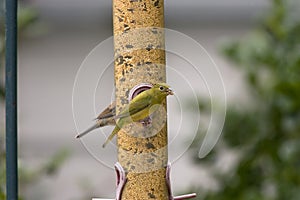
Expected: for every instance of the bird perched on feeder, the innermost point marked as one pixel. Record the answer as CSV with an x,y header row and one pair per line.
x,y
139,108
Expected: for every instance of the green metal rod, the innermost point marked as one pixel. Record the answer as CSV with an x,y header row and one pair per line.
x,y
11,100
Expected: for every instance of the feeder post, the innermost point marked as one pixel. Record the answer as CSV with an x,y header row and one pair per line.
x,y
140,58
11,100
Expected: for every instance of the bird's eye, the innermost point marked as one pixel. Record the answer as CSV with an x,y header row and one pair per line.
x,y
161,88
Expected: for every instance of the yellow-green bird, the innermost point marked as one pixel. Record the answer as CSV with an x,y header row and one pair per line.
x,y
138,109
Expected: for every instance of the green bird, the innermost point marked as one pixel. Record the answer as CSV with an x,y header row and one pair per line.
x,y
139,108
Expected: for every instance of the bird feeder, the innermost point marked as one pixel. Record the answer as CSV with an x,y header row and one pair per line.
x,y
142,170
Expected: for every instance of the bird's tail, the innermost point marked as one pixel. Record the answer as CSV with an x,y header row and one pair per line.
x,y
110,137
87,131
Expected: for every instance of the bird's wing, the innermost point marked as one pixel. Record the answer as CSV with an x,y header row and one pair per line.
x,y
135,106
108,112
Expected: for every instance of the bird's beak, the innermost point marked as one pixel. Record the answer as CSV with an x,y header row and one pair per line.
x,y
170,91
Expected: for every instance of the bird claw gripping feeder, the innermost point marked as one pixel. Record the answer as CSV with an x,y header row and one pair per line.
x,y
142,170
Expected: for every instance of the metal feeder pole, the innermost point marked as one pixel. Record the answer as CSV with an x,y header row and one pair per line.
x,y
11,100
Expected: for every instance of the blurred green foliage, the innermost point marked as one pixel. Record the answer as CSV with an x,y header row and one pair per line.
x,y
265,134
26,18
